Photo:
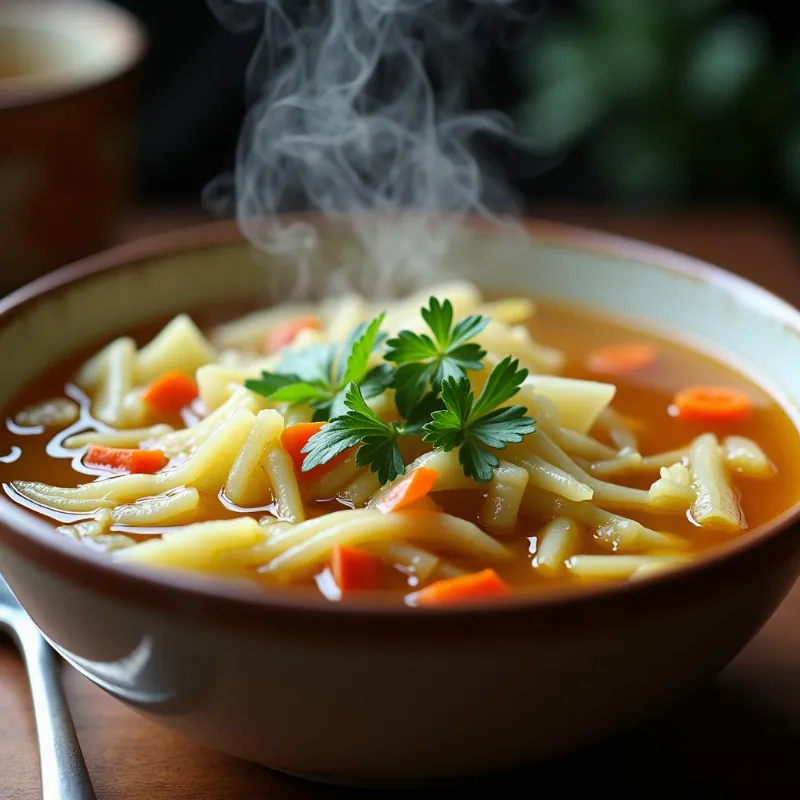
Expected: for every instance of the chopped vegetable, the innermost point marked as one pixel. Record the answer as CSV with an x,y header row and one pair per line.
x,y
170,392
180,345
354,570
410,490
463,589
295,437
622,358
283,335
119,459
713,404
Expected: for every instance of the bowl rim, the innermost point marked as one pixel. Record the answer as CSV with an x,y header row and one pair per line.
x,y
40,88
239,603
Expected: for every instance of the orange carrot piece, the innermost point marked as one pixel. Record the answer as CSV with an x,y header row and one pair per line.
x,y
119,459
713,404
354,570
170,392
284,334
411,489
485,584
622,358
295,438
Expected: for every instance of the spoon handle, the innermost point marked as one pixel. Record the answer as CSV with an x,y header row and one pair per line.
x,y
63,770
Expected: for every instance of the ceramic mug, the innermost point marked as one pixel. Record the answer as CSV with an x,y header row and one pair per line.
x,y
66,91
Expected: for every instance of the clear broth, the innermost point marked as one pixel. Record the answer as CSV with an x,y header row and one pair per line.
x,y
644,397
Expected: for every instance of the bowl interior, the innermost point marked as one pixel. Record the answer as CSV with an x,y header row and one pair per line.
x,y
211,267
45,45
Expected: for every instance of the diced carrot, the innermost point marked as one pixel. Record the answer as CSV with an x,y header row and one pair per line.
x,y
482,585
295,438
354,570
713,404
119,459
284,334
413,487
622,358
170,392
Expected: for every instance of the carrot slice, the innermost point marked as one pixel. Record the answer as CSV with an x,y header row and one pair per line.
x,y
622,358
710,404
354,570
295,438
119,459
170,392
412,488
463,589
284,334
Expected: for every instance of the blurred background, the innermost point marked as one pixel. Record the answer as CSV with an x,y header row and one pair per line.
x,y
645,106
656,103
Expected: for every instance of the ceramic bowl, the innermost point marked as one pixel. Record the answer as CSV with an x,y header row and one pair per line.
x,y
66,74
370,694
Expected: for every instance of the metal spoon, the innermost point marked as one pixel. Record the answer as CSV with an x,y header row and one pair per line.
x,y
64,774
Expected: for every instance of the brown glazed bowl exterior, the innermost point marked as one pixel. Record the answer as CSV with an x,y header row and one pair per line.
x,y
65,132
371,693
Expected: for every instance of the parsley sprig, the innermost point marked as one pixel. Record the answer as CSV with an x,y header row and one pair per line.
x,y
315,376
433,395
361,427
476,425
428,360
472,426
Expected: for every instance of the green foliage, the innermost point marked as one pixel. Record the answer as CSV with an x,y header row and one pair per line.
x,y
665,100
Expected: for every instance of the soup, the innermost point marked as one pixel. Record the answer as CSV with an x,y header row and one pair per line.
x,y
441,449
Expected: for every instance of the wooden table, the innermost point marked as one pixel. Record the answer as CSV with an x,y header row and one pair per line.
x,y
737,737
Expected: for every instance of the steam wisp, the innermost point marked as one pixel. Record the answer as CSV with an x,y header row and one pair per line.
x,y
357,113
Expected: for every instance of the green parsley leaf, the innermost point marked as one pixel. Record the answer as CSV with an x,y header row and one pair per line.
x,y
323,409
448,354
449,424
312,364
467,329
293,393
408,346
439,318
376,381
420,414
503,426
478,464
271,383
360,427
472,426
410,382
501,385
306,376
358,347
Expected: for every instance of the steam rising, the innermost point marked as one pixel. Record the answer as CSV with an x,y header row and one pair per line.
x,y
356,113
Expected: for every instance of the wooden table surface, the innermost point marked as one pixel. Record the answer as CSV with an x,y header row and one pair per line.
x,y
736,737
